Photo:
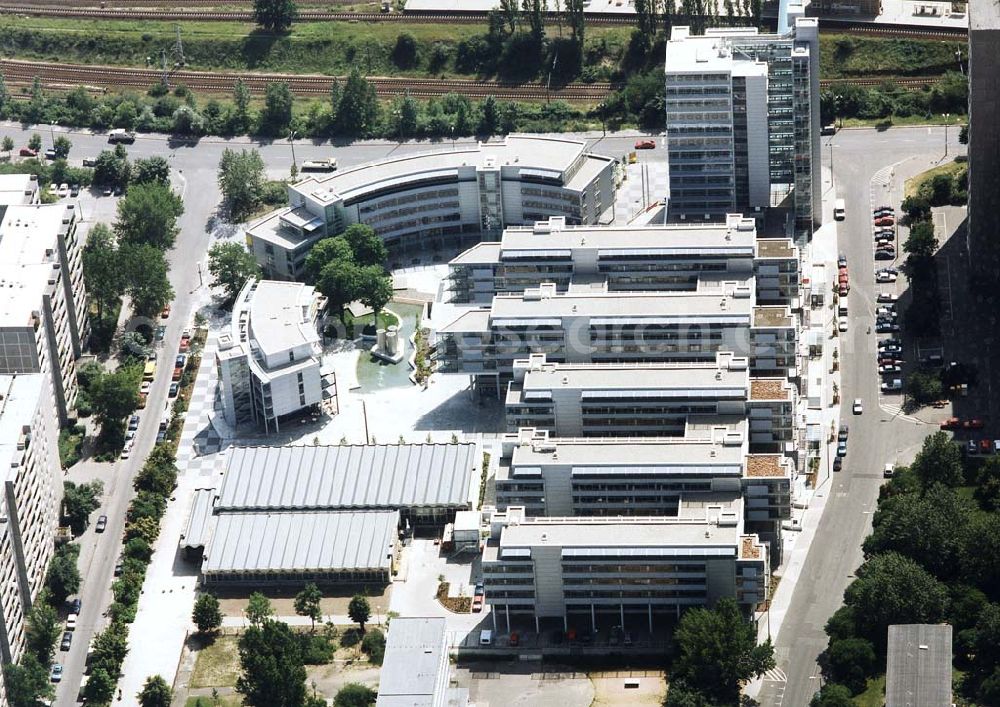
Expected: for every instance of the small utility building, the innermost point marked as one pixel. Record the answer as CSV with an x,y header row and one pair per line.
x,y
918,666
415,671
329,514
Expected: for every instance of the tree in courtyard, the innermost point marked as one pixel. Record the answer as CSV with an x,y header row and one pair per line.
x,y
272,673
113,398
938,461
355,695
921,241
148,216
8,144
324,252
151,170
42,629
718,651
365,244
79,501
339,282
276,118
231,265
924,387
680,694
307,603
28,682
893,589
207,615
155,693
148,284
62,146
258,609
275,15
241,180
374,288
359,610
63,577
102,271
35,142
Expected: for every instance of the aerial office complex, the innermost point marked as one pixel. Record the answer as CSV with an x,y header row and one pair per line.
x,y
617,327
29,509
674,257
576,568
743,122
439,199
269,365
984,140
43,302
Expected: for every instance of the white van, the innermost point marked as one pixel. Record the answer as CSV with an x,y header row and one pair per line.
x,y
486,638
839,210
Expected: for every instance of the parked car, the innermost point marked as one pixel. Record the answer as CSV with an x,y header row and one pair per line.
x,y
888,470
161,331
843,432
165,312
74,190
127,449
174,388
842,261
887,369
102,524
842,323
64,189
986,446
50,154
180,360
71,622
67,641
645,144
838,463
144,388
890,348
107,191
932,361
842,449
891,386
27,152
885,254
858,407
971,447
952,423
89,162
890,271
133,422
76,605
55,672
885,276
119,568
886,328
885,221
973,424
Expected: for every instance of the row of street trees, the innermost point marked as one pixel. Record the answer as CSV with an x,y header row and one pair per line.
x,y
933,556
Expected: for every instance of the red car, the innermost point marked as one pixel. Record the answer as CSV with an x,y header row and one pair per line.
x,y
165,312
477,605
28,152
986,446
951,423
515,638
885,221
973,424
645,144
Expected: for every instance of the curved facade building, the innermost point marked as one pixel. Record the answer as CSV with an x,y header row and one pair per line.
x,y
439,200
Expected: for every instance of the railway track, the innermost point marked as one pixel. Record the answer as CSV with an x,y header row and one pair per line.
x,y
221,11
60,76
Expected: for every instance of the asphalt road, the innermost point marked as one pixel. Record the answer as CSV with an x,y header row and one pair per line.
x,y
876,437
194,170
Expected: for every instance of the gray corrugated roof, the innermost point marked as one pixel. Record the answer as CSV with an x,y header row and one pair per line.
x,y
415,668
199,523
304,542
348,476
918,666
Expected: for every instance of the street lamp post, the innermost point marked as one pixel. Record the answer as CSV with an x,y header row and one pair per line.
x,y
291,141
947,117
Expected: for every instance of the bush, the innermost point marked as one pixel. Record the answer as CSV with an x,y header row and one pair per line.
x,y
317,648
373,644
351,637
404,54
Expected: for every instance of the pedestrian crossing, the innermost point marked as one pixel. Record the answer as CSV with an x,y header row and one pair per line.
x,y
776,675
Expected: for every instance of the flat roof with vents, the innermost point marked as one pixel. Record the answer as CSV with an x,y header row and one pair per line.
x,y
29,258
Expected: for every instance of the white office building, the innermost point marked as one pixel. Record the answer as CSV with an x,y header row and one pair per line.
x,y
29,505
743,122
269,363
43,301
18,189
633,569
442,199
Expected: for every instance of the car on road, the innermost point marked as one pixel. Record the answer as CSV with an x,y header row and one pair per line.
x,y
174,388
842,323
888,470
885,254
161,331
986,446
842,261
952,423
971,448
886,347
63,190
76,605
71,622
185,341
89,162
886,297
842,433
858,407
74,190
55,672
102,524
886,328
27,152
121,135
838,463
645,144
127,449
165,312
888,369
892,386
119,568
842,449
50,154
885,221
67,641
133,423
885,276
144,388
